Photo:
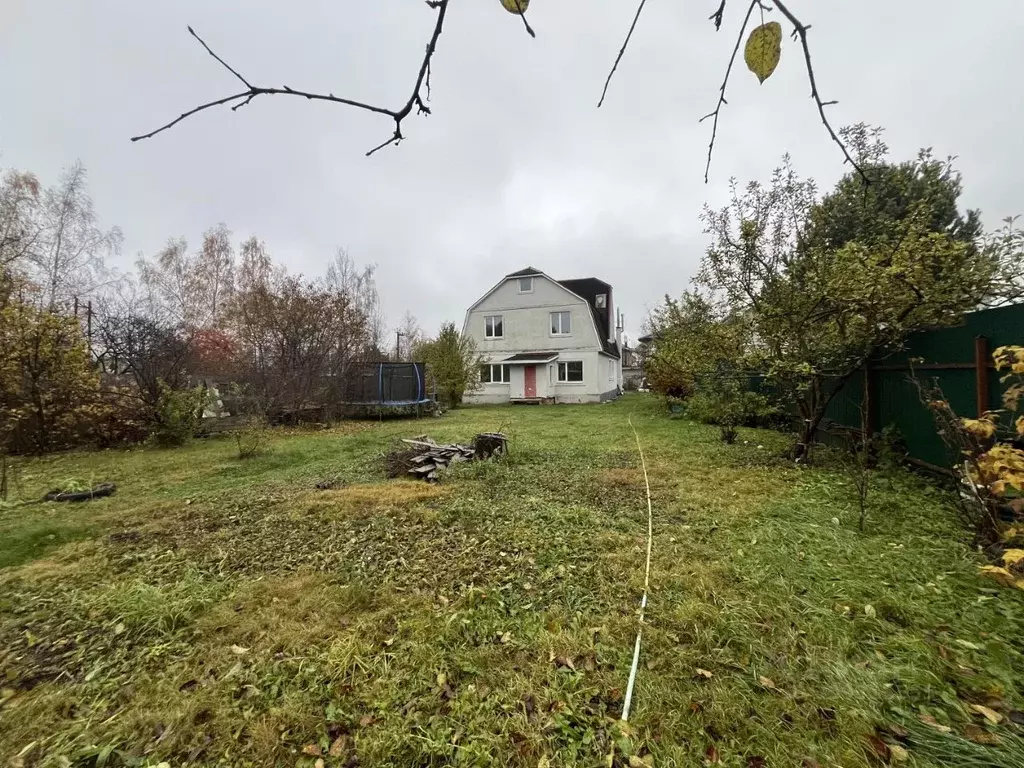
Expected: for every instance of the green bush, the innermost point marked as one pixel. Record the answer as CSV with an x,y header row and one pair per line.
x,y
252,439
178,412
724,403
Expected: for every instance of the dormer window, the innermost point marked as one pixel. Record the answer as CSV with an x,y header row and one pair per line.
x,y
526,285
601,301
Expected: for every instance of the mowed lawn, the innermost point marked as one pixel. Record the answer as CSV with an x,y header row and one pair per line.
x,y
224,611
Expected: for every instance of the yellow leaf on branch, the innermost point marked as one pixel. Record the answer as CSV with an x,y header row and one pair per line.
x,y
763,49
516,6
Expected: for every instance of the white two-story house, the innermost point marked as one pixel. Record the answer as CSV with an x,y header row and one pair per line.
x,y
546,340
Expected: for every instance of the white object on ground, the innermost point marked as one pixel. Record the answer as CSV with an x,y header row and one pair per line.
x,y
647,579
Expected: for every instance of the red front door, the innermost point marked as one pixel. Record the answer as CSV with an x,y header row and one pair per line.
x,y
530,379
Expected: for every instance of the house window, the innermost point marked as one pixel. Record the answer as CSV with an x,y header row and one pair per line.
x,y
493,327
570,372
526,285
560,325
495,374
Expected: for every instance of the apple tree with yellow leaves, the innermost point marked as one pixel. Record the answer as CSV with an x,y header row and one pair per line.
x,y
992,465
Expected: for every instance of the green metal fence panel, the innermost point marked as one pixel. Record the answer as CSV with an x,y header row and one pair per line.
x,y
945,356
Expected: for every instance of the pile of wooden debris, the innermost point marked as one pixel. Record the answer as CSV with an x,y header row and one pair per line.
x,y
425,458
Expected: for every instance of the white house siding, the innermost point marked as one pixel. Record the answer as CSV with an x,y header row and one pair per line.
x,y
526,320
600,381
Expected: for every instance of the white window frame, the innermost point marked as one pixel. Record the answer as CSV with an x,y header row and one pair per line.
x,y
561,331
504,373
490,319
563,365
530,283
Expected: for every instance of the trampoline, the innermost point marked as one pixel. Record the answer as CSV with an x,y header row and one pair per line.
x,y
386,385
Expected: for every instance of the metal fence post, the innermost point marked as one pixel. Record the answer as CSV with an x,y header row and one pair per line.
x,y
981,374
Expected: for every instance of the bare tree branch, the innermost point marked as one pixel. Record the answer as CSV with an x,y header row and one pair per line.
x,y
226,66
800,30
717,15
398,115
622,50
725,81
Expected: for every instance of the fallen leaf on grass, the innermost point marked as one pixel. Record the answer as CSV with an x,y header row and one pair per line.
x,y
989,714
979,735
641,762
543,762
698,672
898,731
929,720
767,682
442,678
366,720
1013,556
968,644
756,761
337,747
564,662
879,748
1000,574
239,650
899,754
870,612
312,749
711,754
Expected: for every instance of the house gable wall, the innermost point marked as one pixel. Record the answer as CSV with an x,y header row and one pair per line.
x,y
526,318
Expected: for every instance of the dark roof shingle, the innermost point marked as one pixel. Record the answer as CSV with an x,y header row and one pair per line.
x,y
589,288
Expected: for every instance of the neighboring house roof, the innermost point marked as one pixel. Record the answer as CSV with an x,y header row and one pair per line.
x,y
589,288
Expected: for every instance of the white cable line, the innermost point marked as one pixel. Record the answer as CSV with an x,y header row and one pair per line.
x,y
647,578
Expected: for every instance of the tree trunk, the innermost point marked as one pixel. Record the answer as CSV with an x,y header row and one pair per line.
x,y
813,407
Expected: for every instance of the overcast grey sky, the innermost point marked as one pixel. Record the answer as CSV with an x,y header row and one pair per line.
x,y
515,166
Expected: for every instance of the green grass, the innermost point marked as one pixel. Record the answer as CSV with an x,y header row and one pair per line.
x,y
220,611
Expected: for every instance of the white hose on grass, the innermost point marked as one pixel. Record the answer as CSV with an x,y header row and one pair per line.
x,y
647,579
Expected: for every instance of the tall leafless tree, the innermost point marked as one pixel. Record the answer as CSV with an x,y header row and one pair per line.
x,y
67,257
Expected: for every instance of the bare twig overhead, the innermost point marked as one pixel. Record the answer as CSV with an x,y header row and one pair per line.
x,y
398,115
800,31
725,82
226,66
717,15
622,50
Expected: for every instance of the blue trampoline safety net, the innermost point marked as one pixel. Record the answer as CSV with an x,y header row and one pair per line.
x,y
389,384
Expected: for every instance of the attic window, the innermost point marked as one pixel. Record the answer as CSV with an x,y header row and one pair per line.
x,y
601,300
526,285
